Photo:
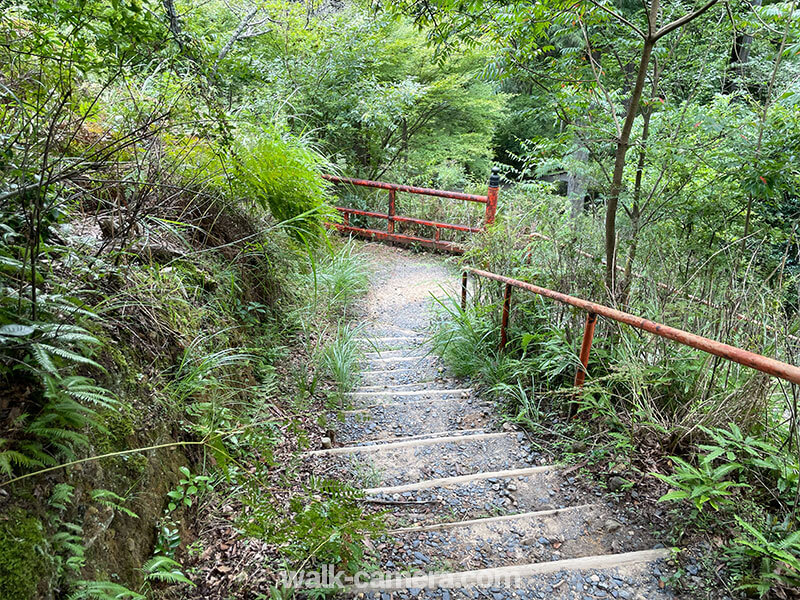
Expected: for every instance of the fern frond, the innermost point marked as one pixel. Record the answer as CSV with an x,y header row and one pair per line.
x,y
103,590
112,500
70,355
164,569
11,458
43,359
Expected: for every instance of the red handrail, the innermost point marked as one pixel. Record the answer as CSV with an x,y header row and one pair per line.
x,y
755,361
490,200
382,185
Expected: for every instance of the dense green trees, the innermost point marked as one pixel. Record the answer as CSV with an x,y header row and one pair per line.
x,y
635,93
675,125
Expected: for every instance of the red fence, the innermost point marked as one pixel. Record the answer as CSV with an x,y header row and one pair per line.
x,y
755,361
490,200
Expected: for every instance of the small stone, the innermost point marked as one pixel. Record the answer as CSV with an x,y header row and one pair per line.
x,y
326,443
612,525
616,483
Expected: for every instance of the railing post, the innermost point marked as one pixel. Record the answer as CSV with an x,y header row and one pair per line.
x,y
390,220
491,196
464,291
586,346
504,321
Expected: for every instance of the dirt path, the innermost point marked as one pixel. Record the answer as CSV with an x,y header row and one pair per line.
x,y
473,509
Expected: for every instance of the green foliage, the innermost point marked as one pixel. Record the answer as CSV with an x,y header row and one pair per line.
x,y
103,590
703,484
325,525
168,539
341,356
112,500
760,460
370,88
465,337
775,550
190,488
200,371
283,173
23,553
163,569
337,279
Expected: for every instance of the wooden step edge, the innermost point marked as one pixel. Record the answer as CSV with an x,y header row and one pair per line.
x,y
392,372
390,338
458,479
407,443
384,387
460,433
536,514
429,391
411,403
508,576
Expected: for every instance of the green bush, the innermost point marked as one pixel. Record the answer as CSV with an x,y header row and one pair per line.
x,y
282,173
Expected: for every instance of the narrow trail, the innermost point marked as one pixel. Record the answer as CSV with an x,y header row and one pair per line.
x,y
471,504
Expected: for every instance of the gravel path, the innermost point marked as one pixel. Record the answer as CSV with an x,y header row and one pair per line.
x,y
467,497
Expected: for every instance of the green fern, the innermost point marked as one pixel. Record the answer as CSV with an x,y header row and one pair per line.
x,y
61,496
14,458
165,570
103,590
112,500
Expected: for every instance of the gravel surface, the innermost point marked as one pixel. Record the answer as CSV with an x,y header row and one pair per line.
x,y
396,319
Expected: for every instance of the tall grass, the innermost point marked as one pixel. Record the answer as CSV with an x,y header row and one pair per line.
x,y
341,358
335,281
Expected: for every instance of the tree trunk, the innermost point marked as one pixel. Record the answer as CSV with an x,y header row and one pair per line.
x,y
623,144
636,210
740,56
174,23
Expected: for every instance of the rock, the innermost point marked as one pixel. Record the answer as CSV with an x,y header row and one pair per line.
x,y
616,483
159,253
612,525
578,446
326,443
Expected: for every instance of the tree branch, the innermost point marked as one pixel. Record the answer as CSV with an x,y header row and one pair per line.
x,y
620,18
243,25
669,27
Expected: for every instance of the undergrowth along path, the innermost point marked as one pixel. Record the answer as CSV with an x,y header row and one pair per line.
x,y
474,510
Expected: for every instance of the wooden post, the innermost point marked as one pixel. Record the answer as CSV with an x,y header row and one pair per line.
x,y
504,322
586,347
491,195
390,220
464,291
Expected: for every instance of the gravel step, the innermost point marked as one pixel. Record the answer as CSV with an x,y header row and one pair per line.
x,y
516,539
420,361
406,375
423,394
417,461
628,576
435,384
415,351
475,496
391,420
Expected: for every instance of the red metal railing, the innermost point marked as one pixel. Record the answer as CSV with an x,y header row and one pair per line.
x,y
755,361
490,200
663,286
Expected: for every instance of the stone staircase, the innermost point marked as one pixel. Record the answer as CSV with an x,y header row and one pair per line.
x,y
473,510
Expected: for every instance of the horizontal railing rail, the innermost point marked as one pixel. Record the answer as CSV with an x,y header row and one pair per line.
x,y
755,361
661,285
490,200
